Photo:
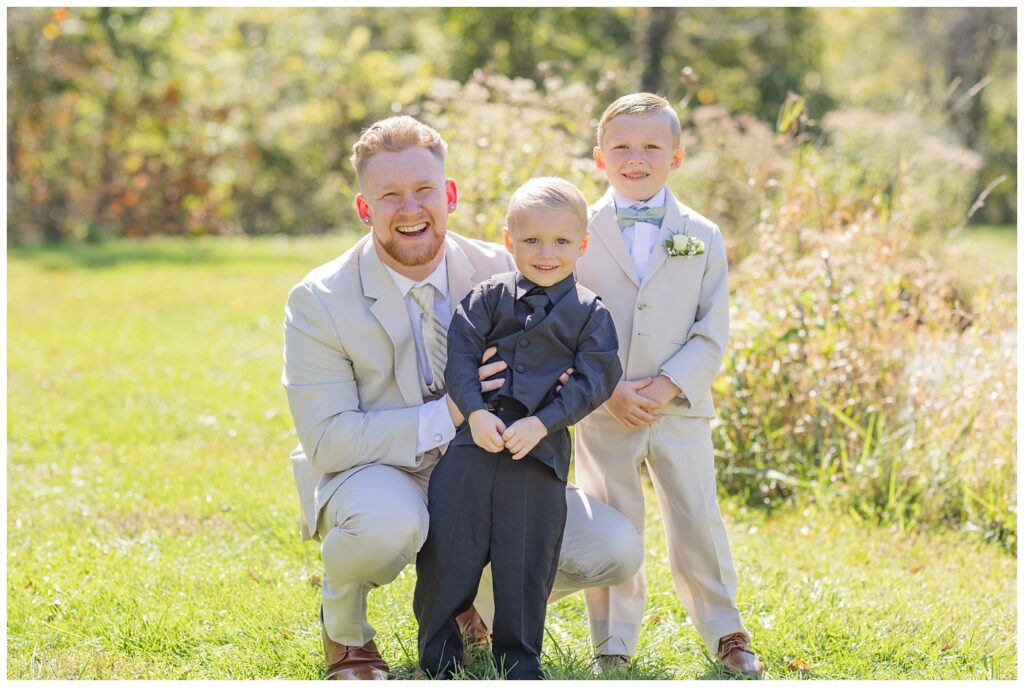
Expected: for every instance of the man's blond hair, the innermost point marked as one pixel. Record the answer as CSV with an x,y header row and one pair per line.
x,y
640,103
393,135
553,193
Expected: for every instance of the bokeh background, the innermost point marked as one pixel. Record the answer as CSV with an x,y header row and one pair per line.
x,y
136,122
172,172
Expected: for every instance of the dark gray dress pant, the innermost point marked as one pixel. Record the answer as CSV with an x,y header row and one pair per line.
x,y
485,507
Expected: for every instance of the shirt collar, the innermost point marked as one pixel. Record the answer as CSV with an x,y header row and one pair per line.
x,y
438,279
655,201
554,292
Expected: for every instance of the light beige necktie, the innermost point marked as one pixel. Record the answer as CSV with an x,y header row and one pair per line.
x,y
435,338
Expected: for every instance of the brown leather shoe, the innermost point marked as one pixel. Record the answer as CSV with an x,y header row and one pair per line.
x,y
353,662
612,664
475,634
737,658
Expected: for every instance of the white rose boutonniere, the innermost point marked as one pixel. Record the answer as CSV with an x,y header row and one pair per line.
x,y
683,245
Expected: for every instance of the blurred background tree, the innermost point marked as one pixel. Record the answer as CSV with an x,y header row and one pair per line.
x,y
134,122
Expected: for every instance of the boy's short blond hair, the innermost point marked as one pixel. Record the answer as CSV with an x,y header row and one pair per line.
x,y
393,135
553,193
640,103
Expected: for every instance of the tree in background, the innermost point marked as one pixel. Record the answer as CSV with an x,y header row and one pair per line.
x,y
125,121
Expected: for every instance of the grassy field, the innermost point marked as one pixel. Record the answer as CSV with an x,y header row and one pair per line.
x,y
152,521
984,251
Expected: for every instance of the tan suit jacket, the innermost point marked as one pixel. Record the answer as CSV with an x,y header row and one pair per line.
x,y
677,319
350,371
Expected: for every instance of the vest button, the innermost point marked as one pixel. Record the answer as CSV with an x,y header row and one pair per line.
x,y
520,368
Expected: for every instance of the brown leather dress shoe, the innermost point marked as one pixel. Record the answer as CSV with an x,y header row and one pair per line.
x,y
475,634
353,662
737,658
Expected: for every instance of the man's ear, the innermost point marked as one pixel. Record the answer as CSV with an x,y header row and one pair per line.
x,y
509,245
677,157
599,157
363,209
452,193
584,243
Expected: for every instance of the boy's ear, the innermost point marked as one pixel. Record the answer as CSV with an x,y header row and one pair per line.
x,y
363,209
584,243
677,156
509,245
599,157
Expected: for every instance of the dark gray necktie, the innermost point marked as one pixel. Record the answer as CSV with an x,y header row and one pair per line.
x,y
538,301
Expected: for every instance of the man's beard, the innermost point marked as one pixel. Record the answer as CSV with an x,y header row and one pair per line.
x,y
414,256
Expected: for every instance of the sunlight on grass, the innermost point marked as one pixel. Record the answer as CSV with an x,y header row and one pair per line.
x,y
152,520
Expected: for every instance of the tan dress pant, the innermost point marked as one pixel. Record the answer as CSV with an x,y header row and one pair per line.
x,y
680,461
376,521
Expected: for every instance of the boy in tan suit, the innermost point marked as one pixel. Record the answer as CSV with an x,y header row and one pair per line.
x,y
660,268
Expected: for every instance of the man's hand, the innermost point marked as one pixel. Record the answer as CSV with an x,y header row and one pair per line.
x,y
491,369
631,408
483,373
563,379
523,435
487,429
661,391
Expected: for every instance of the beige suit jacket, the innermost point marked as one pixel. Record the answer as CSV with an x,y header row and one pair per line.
x,y
350,371
677,320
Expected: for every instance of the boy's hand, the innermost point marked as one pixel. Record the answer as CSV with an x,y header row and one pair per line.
x,y
523,435
487,429
483,373
631,408
661,391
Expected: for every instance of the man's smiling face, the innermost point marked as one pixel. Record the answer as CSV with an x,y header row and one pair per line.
x,y
407,199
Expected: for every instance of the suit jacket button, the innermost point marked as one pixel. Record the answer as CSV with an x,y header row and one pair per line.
x,y
520,368
524,342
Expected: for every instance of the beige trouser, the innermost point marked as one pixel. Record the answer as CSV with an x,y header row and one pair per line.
x,y
680,461
376,521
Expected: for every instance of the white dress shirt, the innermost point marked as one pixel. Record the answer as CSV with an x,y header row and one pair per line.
x,y
435,422
640,237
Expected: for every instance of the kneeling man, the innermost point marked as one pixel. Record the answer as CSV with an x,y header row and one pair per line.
x,y
365,342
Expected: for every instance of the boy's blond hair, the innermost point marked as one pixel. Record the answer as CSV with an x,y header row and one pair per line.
x,y
554,193
393,135
640,103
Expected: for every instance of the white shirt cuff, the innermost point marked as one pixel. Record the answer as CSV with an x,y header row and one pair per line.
x,y
435,425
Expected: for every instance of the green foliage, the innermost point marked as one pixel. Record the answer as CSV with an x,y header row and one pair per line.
x,y
861,372
142,121
501,132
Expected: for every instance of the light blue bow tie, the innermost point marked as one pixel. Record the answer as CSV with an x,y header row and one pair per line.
x,y
629,216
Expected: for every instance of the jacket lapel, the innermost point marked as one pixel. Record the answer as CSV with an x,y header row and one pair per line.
x,y
460,273
390,311
673,223
607,231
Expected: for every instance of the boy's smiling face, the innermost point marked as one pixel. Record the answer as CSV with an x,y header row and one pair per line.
x,y
546,244
637,152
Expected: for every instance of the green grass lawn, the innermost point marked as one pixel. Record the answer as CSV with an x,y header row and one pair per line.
x,y
152,519
981,252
